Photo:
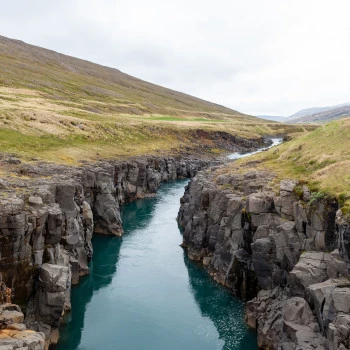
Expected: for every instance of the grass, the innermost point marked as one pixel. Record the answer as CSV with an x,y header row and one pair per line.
x,y
178,119
320,158
58,108
104,142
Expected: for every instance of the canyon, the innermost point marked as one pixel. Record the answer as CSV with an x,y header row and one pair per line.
x,y
285,250
80,140
48,214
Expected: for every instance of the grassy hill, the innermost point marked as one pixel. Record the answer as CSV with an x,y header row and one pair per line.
x,y
320,158
59,108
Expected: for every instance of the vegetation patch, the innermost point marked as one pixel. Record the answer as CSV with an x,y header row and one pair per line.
x,y
320,159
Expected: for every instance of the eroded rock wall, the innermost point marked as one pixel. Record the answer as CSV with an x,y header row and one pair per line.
x,y
48,214
15,335
286,251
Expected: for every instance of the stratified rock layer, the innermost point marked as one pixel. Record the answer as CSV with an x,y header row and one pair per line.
x,y
285,252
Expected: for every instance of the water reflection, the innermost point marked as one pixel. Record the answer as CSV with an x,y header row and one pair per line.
x,y
137,215
225,311
103,268
143,293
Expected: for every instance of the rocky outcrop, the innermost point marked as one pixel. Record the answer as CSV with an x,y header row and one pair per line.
x,y
14,333
331,302
290,321
288,251
48,214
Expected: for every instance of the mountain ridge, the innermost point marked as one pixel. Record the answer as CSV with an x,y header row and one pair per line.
x,y
313,114
322,116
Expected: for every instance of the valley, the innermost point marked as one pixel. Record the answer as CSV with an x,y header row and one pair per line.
x,y
95,165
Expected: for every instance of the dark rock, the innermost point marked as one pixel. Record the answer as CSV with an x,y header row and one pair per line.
x,y
279,244
45,235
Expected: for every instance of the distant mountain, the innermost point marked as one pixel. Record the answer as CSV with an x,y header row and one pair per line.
x,y
319,114
313,110
276,118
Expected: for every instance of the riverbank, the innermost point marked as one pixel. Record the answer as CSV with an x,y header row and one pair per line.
x,y
49,213
48,222
279,243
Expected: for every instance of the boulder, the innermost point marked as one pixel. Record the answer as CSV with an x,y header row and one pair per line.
x,y
35,200
310,269
329,299
50,295
282,322
260,203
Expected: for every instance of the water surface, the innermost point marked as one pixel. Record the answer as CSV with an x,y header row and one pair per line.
x,y
144,294
237,155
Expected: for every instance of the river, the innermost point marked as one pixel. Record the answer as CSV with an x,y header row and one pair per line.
x,y
144,294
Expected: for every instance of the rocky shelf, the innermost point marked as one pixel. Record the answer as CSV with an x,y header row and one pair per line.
x,y
286,252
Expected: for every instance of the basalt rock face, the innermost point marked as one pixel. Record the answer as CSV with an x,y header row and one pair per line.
x,y
16,335
48,214
286,252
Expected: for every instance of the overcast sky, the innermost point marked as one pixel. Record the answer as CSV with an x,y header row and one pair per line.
x,y
257,56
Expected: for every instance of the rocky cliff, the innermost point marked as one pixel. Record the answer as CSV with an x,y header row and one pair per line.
x,y
286,251
48,214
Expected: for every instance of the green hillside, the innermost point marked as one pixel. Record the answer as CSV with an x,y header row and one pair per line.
x,y
59,108
320,158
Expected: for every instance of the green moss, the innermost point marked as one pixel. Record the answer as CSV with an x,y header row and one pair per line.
x,y
247,216
344,203
343,198
298,191
316,196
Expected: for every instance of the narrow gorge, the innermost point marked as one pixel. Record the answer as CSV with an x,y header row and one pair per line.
x,y
48,216
143,292
137,217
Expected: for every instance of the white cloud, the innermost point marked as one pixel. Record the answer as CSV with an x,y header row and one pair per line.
x,y
259,57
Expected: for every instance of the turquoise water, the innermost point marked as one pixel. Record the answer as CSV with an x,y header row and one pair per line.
x,y
144,294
